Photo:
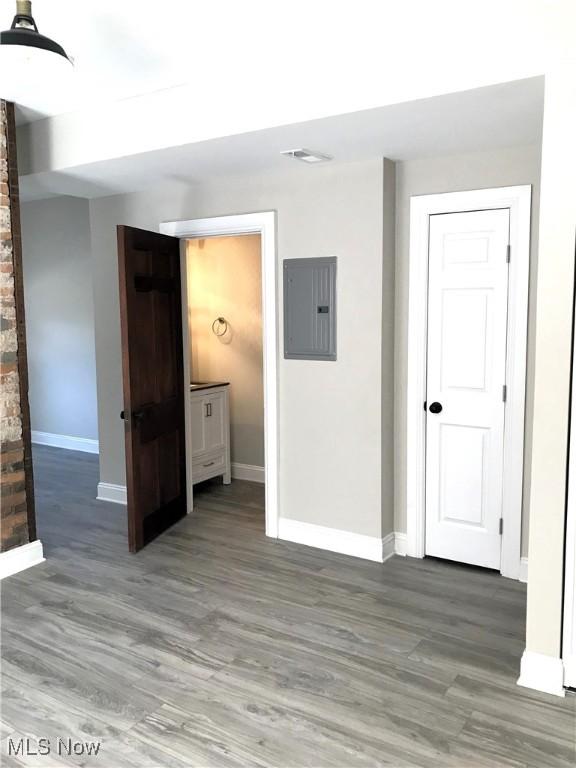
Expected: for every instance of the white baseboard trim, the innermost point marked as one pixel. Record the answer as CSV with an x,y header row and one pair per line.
x,y
400,544
110,492
248,472
388,547
343,542
65,441
331,539
542,673
523,575
20,558
569,671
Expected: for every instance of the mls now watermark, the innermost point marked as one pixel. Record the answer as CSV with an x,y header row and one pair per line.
x,y
42,746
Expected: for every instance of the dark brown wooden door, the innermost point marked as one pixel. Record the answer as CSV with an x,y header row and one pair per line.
x,y
152,364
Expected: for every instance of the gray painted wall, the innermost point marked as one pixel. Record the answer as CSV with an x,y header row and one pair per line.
x,y
387,299
330,412
342,424
450,174
59,316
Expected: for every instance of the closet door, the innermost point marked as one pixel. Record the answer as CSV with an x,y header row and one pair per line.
x,y
466,371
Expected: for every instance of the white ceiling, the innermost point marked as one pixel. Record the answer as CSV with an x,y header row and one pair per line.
x,y
191,90
482,119
126,48
120,50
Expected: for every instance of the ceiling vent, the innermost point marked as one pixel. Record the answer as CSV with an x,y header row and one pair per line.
x,y
306,155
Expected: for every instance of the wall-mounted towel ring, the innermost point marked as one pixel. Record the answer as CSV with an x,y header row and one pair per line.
x,y
219,326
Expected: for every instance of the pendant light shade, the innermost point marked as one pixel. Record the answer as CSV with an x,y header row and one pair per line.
x,y
29,61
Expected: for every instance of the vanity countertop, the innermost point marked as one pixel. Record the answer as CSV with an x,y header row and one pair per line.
x,y
197,385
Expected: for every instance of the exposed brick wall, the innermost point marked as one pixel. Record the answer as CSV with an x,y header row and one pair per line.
x,y
16,488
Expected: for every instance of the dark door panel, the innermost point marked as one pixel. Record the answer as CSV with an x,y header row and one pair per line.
x,y
152,363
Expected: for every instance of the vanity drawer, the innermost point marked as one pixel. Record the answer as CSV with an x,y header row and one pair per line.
x,y
208,465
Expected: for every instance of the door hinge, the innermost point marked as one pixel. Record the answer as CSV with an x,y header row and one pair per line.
x,y
508,253
501,527
504,393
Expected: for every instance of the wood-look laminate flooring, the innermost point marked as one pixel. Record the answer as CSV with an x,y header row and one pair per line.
x,y
216,646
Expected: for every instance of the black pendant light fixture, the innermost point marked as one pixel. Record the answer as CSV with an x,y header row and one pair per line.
x,y
28,58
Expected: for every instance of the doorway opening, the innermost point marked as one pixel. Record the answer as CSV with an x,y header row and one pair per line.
x,y
201,315
226,392
467,338
177,430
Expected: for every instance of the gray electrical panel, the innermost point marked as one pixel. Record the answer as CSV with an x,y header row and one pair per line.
x,y
310,309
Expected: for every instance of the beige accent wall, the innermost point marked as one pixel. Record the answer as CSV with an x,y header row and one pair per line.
x,y
501,168
224,276
553,357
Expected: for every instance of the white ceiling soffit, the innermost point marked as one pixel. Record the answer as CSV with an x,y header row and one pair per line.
x,y
318,58
488,118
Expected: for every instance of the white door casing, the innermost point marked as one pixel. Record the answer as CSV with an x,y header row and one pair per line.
x,y
422,207
466,372
264,224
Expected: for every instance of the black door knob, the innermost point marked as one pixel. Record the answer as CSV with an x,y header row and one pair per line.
x,y
435,407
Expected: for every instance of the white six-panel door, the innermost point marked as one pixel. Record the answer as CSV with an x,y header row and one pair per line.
x,y
467,317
